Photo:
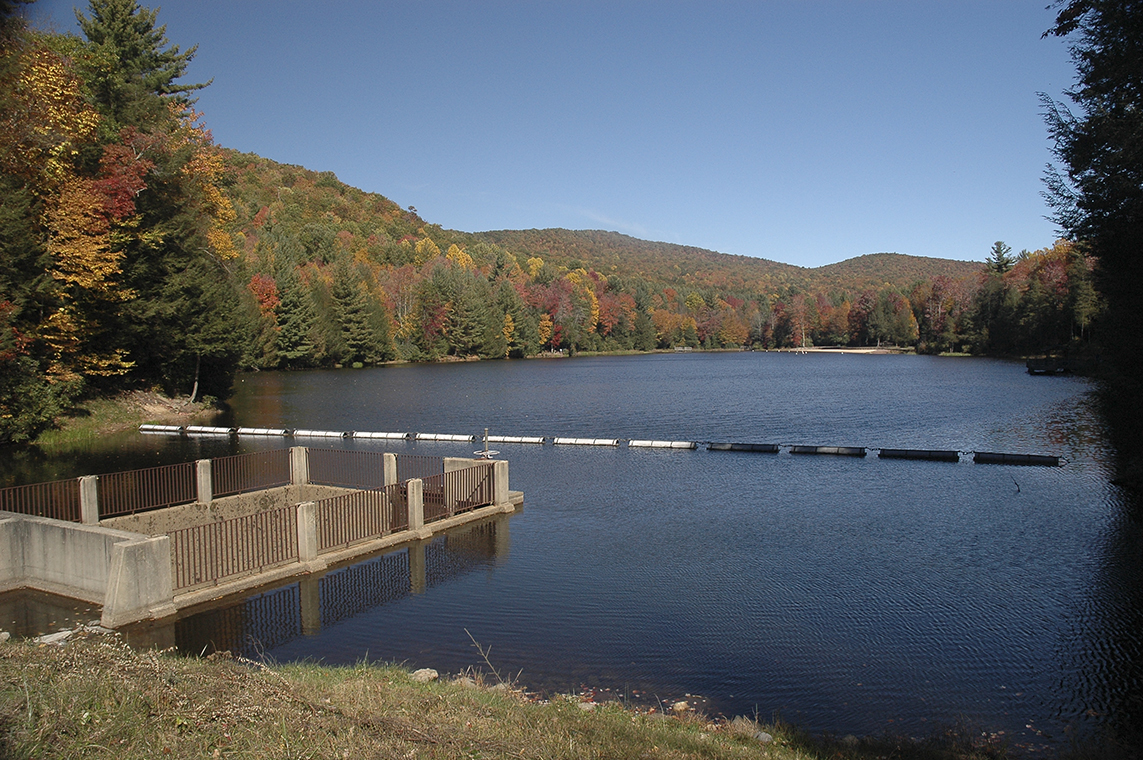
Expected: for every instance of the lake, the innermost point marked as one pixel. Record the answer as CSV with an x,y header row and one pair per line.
x,y
848,595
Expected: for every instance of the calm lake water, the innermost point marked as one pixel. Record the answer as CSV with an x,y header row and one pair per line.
x,y
846,595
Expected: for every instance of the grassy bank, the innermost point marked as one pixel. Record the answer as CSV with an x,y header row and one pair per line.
x,y
101,416
94,697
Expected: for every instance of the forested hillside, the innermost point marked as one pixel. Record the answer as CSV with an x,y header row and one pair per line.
x,y
135,252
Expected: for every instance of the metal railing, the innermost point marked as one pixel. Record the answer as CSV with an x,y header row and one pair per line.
x,y
243,473
360,516
411,466
457,492
122,493
207,554
346,469
58,499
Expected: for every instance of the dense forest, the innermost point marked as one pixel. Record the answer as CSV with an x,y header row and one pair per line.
x,y
136,252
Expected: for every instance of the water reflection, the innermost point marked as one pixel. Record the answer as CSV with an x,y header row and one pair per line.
x,y
25,613
271,619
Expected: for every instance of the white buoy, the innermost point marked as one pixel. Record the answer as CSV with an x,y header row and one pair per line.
x,y
161,429
389,436
443,437
587,441
207,430
662,444
514,439
262,431
319,434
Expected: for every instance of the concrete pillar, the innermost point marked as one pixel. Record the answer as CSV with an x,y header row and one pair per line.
x,y
417,567
416,504
500,482
390,472
299,466
452,464
89,499
139,583
204,481
307,532
309,588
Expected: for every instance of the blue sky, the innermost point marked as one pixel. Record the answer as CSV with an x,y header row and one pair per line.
x,y
802,131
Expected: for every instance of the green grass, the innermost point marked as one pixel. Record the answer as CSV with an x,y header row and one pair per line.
x,y
96,698
96,417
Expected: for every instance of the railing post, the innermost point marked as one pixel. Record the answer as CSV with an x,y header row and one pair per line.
x,y
307,532
390,468
416,504
299,466
89,499
500,482
204,481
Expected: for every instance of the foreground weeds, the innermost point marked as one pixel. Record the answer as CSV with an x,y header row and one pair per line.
x,y
96,698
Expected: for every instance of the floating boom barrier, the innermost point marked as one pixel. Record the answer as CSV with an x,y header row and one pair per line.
x,y
941,456
978,457
662,444
841,451
320,434
162,429
515,439
989,457
586,441
443,437
263,431
207,430
762,448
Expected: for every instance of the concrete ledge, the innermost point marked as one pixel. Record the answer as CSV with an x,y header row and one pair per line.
x,y
58,557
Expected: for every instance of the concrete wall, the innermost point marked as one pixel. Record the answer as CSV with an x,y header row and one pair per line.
x,y
162,521
129,574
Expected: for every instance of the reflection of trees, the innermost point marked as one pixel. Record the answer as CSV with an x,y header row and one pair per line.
x,y
1103,683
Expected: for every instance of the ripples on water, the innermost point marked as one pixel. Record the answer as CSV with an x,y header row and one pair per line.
x,y
848,595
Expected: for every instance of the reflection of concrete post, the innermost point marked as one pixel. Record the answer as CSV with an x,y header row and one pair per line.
x,y
299,466
309,589
501,538
89,499
204,481
417,567
307,532
500,482
390,472
416,504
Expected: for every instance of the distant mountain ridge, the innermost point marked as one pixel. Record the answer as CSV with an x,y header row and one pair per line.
x,y
614,252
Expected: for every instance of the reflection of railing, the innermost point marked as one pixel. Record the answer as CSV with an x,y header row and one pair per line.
x,y
461,552
360,516
122,493
257,471
354,589
58,500
271,619
205,554
259,623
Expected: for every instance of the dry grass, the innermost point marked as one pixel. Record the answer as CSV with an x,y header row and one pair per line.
x,y
105,415
96,698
